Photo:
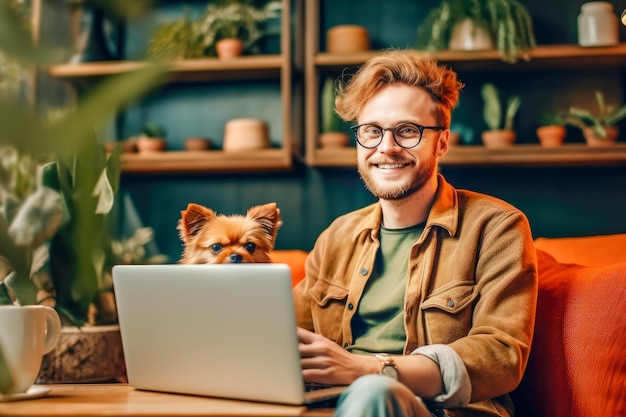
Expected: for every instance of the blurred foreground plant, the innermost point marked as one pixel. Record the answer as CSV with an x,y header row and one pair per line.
x,y
54,214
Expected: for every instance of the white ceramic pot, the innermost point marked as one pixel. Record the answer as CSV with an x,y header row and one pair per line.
x,y
468,37
245,134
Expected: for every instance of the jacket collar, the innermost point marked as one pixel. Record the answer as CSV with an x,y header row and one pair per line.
x,y
444,213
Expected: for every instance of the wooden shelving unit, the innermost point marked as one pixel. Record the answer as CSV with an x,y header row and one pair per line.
x,y
545,57
279,68
196,162
517,155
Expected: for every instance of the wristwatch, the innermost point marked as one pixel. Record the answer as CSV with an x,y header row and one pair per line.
x,y
387,366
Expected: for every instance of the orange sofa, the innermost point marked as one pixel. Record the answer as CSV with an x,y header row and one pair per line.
x,y
577,364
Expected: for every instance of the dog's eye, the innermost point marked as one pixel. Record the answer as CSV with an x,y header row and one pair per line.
x,y
250,247
216,247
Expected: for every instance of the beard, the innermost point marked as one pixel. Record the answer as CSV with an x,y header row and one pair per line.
x,y
403,187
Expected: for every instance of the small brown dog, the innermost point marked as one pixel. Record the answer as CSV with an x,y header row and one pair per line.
x,y
209,238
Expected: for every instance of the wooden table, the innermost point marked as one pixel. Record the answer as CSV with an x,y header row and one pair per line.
x,y
121,400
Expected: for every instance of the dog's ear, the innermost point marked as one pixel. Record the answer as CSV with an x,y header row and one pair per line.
x,y
268,215
193,220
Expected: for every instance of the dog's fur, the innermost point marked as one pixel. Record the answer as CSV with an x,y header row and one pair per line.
x,y
209,238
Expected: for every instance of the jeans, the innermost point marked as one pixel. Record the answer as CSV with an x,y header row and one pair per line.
x,y
380,396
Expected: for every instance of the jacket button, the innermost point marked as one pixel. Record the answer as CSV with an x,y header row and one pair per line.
x,y
363,271
450,303
350,306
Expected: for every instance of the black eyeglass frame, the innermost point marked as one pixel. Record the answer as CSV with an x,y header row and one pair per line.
x,y
420,128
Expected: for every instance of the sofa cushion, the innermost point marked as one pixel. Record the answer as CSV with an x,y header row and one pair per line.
x,y
597,250
295,258
577,364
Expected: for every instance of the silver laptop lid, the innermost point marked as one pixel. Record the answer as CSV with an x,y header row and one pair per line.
x,y
216,330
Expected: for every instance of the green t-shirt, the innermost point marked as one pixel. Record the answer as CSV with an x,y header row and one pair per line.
x,y
378,325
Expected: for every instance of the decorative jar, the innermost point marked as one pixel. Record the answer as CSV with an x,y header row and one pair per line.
x,y
597,24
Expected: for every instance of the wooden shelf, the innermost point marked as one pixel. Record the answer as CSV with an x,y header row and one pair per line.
x,y
517,155
276,68
192,70
544,56
183,162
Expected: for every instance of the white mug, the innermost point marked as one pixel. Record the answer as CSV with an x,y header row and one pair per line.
x,y
26,334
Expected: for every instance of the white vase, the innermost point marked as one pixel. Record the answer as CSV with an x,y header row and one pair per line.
x,y
466,36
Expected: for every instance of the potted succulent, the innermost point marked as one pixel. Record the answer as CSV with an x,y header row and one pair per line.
x,y
503,23
599,129
152,138
236,23
552,131
499,124
54,215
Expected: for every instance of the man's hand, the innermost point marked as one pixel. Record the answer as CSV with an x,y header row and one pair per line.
x,y
325,362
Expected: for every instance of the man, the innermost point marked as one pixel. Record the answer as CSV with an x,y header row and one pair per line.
x,y
424,302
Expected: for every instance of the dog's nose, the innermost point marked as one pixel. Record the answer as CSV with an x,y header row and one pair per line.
x,y
235,258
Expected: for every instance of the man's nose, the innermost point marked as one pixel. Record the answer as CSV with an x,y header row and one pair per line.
x,y
388,143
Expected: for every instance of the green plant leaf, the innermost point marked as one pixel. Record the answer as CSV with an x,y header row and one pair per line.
x,y
329,120
492,110
512,107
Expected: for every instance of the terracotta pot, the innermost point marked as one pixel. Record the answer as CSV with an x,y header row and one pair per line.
x,y
147,144
592,139
551,136
467,37
498,138
197,144
344,39
229,48
245,134
334,139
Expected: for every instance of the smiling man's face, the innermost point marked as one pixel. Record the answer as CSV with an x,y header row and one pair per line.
x,y
389,171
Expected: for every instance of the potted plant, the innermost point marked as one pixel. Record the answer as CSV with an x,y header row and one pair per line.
x,y
599,129
552,131
152,138
504,23
236,23
57,189
332,135
499,124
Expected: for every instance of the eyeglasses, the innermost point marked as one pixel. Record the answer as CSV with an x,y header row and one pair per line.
x,y
405,135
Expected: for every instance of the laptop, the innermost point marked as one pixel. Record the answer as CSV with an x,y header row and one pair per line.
x,y
226,331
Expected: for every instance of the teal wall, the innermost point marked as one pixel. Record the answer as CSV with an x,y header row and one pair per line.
x,y
559,201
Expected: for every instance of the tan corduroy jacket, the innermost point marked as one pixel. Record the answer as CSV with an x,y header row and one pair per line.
x,y
472,285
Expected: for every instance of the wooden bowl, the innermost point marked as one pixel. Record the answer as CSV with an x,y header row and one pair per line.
x,y
197,144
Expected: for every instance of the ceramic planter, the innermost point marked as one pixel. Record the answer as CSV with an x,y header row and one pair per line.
x,y
593,140
334,139
197,144
468,37
148,145
345,39
551,136
245,134
229,48
498,138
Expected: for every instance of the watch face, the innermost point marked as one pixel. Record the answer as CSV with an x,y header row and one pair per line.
x,y
390,371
